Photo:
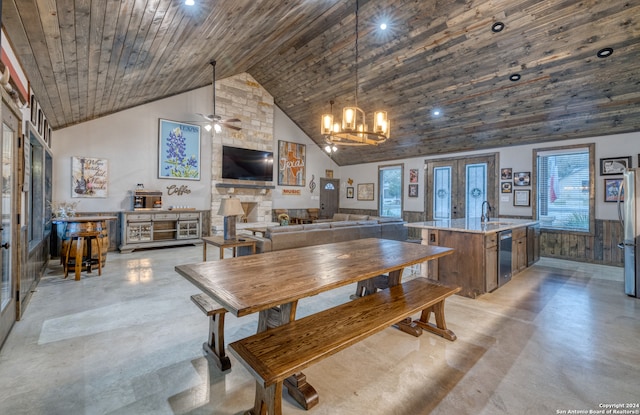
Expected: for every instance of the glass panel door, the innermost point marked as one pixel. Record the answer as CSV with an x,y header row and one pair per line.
x,y
457,187
9,285
442,193
476,189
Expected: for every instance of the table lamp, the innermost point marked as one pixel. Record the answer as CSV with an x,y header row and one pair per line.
x,y
230,208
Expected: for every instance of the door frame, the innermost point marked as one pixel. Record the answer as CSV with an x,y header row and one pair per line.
x,y
11,115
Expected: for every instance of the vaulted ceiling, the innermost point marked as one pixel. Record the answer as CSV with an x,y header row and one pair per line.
x,y
89,58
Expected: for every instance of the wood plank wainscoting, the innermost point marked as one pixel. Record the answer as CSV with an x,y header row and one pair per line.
x,y
599,248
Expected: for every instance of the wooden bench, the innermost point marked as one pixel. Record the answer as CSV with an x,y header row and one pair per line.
x,y
274,355
214,346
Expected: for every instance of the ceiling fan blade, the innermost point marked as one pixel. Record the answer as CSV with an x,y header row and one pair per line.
x,y
206,117
233,127
231,120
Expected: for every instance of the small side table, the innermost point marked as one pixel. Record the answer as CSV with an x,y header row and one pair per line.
x,y
254,231
222,243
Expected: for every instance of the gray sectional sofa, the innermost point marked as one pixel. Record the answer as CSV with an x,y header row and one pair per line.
x,y
343,227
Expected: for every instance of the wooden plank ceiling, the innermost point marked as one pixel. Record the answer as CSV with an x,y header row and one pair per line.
x,y
89,58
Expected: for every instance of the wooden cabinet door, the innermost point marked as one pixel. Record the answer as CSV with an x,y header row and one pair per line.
x,y
491,262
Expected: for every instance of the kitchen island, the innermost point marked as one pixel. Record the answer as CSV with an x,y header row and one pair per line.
x,y
478,265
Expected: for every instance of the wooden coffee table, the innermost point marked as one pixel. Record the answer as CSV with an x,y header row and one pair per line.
x,y
222,243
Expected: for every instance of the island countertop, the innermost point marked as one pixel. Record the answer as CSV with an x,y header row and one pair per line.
x,y
473,225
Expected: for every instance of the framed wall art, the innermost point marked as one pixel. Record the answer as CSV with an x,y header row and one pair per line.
x,y
349,192
506,173
89,177
178,150
614,165
611,190
522,178
413,175
521,197
413,190
506,187
291,164
365,191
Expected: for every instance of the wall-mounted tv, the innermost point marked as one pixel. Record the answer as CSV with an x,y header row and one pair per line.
x,y
245,164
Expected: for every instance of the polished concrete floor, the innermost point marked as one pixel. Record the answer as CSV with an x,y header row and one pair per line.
x,y
560,336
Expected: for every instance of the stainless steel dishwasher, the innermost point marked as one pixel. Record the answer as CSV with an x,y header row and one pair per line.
x,y
504,257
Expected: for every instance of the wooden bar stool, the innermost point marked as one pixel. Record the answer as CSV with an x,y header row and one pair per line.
x,y
79,260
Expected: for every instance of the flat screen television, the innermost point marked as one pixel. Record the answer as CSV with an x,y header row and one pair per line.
x,y
245,164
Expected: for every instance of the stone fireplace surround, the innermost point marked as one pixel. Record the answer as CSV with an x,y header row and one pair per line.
x,y
242,97
256,202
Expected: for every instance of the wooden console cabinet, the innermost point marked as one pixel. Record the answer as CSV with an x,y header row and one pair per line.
x,y
149,229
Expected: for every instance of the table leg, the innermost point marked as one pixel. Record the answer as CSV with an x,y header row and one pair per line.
x,y
297,385
214,347
440,328
204,252
406,325
89,242
79,245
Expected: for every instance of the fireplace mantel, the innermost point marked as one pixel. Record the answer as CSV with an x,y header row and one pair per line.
x,y
244,186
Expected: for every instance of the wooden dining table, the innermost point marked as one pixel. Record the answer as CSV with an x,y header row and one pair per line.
x,y
272,283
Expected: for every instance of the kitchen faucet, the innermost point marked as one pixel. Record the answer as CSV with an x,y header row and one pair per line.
x,y
485,217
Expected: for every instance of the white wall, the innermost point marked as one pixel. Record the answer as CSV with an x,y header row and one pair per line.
x,y
519,158
317,161
129,141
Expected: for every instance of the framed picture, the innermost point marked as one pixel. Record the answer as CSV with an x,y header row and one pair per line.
x,y
349,192
505,174
365,191
89,177
521,197
614,165
413,190
291,163
611,189
506,187
328,174
178,150
413,175
34,110
522,178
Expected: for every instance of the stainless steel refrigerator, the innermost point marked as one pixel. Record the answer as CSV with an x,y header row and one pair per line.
x,y
629,213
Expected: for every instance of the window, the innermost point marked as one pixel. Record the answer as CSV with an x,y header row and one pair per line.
x,y
564,194
390,188
40,190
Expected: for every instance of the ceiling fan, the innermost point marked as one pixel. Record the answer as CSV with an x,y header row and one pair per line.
x,y
216,120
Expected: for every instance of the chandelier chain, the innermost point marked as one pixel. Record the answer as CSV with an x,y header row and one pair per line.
x,y
357,35
354,131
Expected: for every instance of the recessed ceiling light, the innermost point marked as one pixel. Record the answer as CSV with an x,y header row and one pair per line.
x,y
189,2
436,112
383,26
514,77
604,53
497,27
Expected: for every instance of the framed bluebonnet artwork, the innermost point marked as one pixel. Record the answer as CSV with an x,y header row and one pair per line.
x,y
178,150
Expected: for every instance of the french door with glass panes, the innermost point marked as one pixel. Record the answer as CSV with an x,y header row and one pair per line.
x,y
457,187
9,283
